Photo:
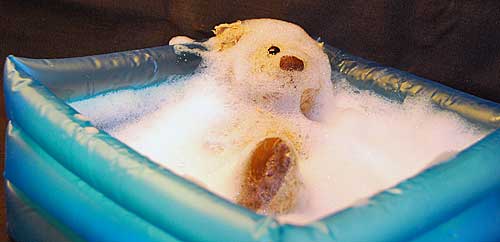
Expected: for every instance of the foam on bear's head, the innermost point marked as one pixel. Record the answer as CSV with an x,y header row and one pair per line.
x,y
272,59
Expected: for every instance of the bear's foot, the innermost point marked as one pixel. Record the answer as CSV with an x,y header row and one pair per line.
x,y
270,180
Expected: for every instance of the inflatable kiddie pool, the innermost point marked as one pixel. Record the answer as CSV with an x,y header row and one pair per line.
x,y
68,181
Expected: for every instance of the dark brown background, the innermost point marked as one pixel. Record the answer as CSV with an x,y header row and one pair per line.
x,y
453,42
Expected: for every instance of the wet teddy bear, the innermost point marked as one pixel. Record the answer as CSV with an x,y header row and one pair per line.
x,y
277,67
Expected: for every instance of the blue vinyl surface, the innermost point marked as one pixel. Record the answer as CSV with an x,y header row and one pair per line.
x,y
98,189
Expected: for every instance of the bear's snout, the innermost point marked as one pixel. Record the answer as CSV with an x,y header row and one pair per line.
x,y
291,63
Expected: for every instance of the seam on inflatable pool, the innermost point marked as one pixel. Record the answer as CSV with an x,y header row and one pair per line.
x,y
49,219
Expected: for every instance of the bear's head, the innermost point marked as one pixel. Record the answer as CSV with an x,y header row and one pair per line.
x,y
274,61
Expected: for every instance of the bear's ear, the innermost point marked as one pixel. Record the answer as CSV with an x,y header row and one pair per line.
x,y
227,35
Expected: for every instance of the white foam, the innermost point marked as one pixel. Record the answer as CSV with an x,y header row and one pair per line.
x,y
367,144
371,144
204,127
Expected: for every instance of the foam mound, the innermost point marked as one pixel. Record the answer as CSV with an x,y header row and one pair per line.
x,y
205,126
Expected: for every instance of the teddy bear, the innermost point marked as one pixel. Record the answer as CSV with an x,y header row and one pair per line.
x,y
277,67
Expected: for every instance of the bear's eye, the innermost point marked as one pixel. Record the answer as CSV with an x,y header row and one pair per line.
x,y
273,50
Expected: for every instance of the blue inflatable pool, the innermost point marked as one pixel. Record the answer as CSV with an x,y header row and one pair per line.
x,y
68,181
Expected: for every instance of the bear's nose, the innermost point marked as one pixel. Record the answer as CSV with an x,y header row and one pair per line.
x,y
291,63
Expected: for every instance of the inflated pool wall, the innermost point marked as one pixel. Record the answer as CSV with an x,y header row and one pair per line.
x,y
68,181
